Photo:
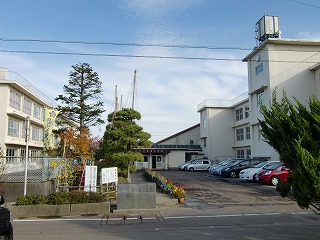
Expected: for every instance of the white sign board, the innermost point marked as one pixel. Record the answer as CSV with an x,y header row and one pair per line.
x,y
109,175
90,179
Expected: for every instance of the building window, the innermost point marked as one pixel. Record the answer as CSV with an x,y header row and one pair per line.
x,y
260,137
240,153
191,142
259,98
259,68
204,142
27,105
248,152
24,130
204,123
35,133
15,100
239,114
240,135
13,128
11,152
247,112
36,111
247,133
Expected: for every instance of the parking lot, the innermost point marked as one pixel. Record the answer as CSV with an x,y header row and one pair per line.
x,y
206,191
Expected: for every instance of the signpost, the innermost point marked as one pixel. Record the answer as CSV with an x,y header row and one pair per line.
x,y
107,176
90,179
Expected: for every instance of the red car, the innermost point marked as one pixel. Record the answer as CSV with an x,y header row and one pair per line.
x,y
273,174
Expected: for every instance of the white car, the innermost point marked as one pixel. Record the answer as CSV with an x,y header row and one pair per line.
x,y
199,164
249,173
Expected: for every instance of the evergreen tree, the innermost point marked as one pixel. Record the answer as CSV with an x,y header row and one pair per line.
x,y
121,139
82,100
294,132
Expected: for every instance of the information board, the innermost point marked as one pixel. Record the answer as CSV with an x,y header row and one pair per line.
x,y
109,175
90,179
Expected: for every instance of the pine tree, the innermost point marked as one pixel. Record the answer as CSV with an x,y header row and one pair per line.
x,y
294,132
121,139
82,100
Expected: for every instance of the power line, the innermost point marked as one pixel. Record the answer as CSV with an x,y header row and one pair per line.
x,y
143,56
303,3
125,44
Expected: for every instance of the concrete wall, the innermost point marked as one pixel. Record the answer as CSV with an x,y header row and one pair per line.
x,y
136,196
14,190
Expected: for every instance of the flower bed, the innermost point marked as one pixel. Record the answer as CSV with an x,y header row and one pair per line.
x,y
165,184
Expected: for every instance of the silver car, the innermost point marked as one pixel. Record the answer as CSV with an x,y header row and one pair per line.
x,y
183,165
199,164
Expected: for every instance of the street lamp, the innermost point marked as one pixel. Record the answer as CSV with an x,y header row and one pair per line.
x,y
27,154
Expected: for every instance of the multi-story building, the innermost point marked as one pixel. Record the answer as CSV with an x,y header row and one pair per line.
x,y
231,128
20,103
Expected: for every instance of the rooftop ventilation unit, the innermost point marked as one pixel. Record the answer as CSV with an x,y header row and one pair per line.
x,y
267,27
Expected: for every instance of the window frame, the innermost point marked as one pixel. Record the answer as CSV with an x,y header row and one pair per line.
x,y
239,134
239,114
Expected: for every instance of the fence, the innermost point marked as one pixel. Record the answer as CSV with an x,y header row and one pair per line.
x,y
12,169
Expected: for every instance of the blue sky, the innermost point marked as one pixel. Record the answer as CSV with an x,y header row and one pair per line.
x,y
168,90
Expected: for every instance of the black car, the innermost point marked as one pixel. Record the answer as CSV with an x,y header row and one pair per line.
x,y
234,170
6,229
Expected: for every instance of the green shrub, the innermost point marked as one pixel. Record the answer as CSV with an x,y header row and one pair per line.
x,y
77,197
95,197
31,199
58,198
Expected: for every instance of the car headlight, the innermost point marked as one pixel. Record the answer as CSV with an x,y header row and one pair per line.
x,y
266,173
227,169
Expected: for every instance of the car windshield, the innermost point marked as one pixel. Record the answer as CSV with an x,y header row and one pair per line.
x,y
233,162
273,166
262,164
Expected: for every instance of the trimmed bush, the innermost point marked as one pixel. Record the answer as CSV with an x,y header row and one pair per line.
x,y
58,198
77,197
95,197
31,199
73,197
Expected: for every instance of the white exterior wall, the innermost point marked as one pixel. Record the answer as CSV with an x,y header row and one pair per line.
x,y
7,112
286,67
184,138
218,132
175,158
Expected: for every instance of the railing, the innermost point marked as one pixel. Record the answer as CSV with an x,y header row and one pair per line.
x,y
177,146
12,169
222,102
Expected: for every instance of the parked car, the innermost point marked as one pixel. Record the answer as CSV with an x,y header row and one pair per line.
x,y
234,170
250,173
199,164
183,165
6,229
229,162
219,164
274,174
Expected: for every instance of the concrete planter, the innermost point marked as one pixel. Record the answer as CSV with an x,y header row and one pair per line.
x,y
40,211
59,210
90,208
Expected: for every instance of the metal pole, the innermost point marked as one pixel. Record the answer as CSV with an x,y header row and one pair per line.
x,y
27,155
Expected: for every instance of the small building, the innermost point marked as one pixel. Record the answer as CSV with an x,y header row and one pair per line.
x,y
172,151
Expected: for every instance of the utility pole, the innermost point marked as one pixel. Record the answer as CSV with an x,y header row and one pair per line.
x,y
27,155
134,87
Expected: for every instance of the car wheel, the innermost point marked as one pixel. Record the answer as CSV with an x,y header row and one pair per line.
x,y
233,174
255,178
191,169
274,181
208,169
